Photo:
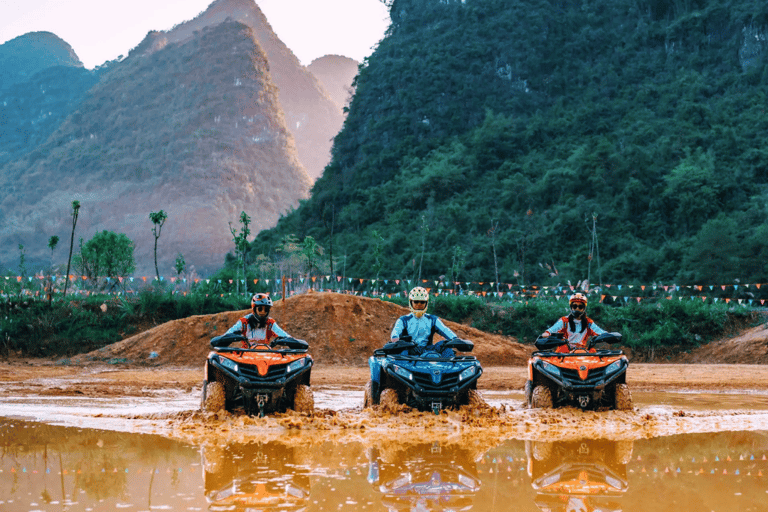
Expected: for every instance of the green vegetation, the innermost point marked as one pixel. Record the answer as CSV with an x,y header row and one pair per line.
x,y
535,117
65,328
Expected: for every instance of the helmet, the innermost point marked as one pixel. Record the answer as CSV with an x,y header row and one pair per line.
x,y
418,294
261,299
578,298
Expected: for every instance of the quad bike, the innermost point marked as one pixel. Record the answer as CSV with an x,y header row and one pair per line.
x,y
586,378
426,381
587,474
262,379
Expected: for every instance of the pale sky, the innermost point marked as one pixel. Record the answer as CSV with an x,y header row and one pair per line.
x,y
101,30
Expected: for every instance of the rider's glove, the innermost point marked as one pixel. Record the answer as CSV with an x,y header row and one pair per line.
x,y
438,347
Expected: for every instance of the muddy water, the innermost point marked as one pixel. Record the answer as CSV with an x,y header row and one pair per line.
x,y
53,468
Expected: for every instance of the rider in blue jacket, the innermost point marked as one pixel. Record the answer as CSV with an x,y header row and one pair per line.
x,y
418,327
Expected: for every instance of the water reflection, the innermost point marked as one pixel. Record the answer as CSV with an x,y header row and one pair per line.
x,y
260,475
425,476
579,476
51,468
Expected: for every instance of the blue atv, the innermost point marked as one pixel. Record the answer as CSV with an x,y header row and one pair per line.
x,y
427,379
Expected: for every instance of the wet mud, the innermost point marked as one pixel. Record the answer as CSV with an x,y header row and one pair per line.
x,y
670,399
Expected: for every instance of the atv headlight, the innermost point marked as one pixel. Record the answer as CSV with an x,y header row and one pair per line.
x,y
467,373
402,372
613,367
228,363
550,368
297,364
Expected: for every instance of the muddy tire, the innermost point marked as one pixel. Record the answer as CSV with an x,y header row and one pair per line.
x,y
622,452
475,400
541,398
368,395
389,399
304,401
214,397
623,398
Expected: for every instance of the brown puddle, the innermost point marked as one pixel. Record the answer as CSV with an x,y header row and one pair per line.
x,y
46,467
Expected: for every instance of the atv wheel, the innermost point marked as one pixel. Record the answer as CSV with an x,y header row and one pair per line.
x,y
622,452
389,398
623,398
541,398
368,395
304,401
214,397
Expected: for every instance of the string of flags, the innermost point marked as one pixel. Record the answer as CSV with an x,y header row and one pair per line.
x,y
741,293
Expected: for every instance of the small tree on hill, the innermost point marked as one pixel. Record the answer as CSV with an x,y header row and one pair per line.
x,y
241,245
75,212
158,219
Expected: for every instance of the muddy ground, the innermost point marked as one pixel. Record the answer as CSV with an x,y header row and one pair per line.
x,y
164,365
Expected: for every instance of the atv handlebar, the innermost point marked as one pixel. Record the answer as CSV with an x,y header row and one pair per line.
x,y
547,343
225,340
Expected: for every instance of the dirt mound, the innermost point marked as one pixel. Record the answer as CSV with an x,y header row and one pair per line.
x,y
340,329
750,347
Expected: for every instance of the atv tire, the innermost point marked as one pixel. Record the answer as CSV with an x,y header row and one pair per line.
x,y
304,400
368,395
214,397
389,399
541,398
623,398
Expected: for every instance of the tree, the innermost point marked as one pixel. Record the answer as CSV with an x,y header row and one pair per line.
x,y
158,219
52,243
492,234
241,243
107,254
310,249
181,264
75,213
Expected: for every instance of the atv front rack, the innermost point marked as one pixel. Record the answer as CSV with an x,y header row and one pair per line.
x,y
263,350
601,353
421,358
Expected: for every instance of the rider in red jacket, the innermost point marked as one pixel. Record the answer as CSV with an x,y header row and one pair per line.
x,y
577,328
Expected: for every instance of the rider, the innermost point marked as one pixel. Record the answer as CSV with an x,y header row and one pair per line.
x,y
257,326
577,328
418,327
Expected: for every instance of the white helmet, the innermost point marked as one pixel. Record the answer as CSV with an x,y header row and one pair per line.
x,y
420,296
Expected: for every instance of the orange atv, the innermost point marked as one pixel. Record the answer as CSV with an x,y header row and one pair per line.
x,y
587,378
264,378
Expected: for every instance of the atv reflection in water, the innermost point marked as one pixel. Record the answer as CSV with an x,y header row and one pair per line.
x,y
587,378
585,475
423,378
427,476
253,476
262,379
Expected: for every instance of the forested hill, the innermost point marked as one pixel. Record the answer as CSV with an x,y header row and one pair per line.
x,y
537,117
